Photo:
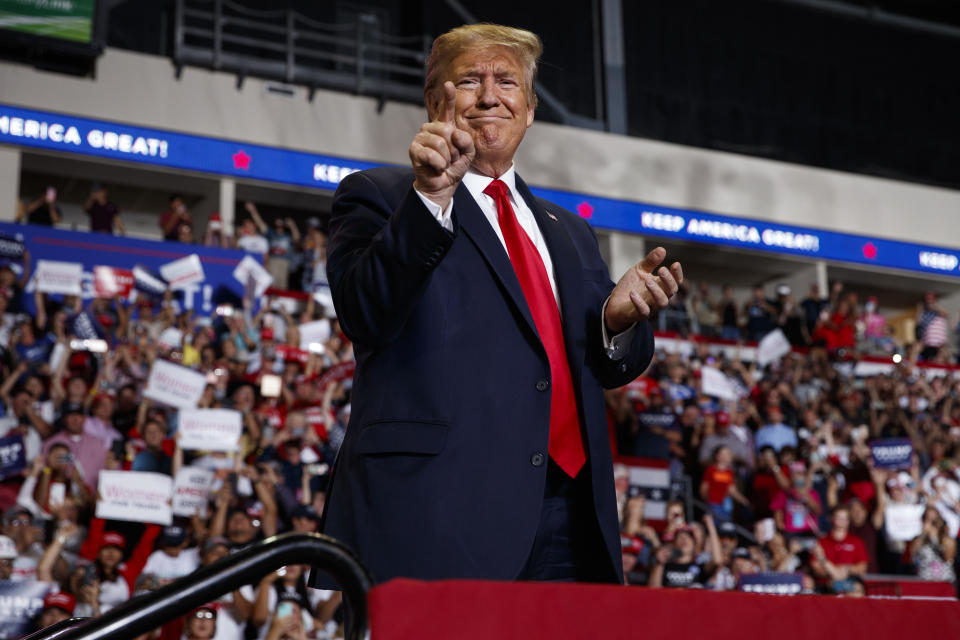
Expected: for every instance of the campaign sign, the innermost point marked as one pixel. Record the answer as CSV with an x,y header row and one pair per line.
x,y
210,429
135,496
109,282
292,354
903,522
120,252
649,478
148,282
772,347
892,453
13,456
336,373
174,385
11,247
53,276
20,603
191,491
183,272
316,332
86,326
781,584
249,269
715,383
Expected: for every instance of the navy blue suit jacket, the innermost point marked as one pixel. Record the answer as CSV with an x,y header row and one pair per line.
x,y
442,470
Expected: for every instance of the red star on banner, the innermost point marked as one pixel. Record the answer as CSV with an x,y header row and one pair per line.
x,y
241,160
869,251
585,210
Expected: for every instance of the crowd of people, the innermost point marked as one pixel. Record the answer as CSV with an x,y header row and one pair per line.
x,y
837,321
783,475
295,259
77,410
793,473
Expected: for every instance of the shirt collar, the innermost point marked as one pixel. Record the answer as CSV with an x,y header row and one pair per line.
x,y
477,182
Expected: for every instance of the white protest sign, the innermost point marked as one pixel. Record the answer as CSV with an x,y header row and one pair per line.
x,y
135,496
174,385
210,429
773,346
183,272
59,277
191,491
261,277
903,522
317,332
714,382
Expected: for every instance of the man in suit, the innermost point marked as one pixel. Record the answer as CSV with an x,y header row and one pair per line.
x,y
485,325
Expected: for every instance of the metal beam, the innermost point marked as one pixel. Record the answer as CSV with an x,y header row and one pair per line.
x,y
878,15
614,75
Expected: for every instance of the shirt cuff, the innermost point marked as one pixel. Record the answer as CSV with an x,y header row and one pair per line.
x,y
616,346
442,215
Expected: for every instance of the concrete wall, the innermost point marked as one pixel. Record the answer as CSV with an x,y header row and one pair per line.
x,y
142,89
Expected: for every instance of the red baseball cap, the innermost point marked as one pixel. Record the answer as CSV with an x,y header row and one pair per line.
x,y
113,539
60,600
723,417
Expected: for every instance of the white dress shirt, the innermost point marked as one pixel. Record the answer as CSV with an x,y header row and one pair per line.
x,y
616,346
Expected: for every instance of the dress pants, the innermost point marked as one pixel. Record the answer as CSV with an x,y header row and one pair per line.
x,y
568,546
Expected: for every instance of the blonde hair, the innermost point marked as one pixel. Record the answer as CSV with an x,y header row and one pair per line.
x,y
524,44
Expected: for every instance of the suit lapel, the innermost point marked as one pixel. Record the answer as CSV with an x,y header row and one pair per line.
x,y
471,219
568,273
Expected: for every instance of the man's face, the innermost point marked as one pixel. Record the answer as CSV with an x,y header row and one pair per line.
x,y
153,434
304,525
214,554
52,615
202,624
240,529
841,520
492,102
74,423
20,403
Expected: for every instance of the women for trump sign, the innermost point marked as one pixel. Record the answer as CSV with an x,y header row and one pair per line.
x,y
136,496
210,429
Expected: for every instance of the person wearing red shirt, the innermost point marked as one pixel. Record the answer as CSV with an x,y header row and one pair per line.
x,y
719,487
839,555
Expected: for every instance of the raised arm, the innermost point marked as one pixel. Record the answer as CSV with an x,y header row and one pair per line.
x,y
255,216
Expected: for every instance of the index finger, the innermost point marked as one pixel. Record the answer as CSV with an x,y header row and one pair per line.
x,y
448,104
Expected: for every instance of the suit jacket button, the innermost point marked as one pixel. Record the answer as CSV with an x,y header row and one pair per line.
x,y
542,385
623,367
537,459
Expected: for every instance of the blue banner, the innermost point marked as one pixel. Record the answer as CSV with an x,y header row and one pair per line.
x,y
892,453
746,233
783,584
92,249
13,456
20,603
100,138
59,132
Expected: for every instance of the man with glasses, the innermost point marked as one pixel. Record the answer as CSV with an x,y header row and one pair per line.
x,y
27,538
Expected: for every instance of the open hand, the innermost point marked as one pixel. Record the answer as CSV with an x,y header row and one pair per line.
x,y
441,152
642,290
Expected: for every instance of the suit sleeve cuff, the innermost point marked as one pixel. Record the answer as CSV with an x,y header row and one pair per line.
x,y
443,216
615,346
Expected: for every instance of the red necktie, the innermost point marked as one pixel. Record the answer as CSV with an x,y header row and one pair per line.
x,y
566,443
